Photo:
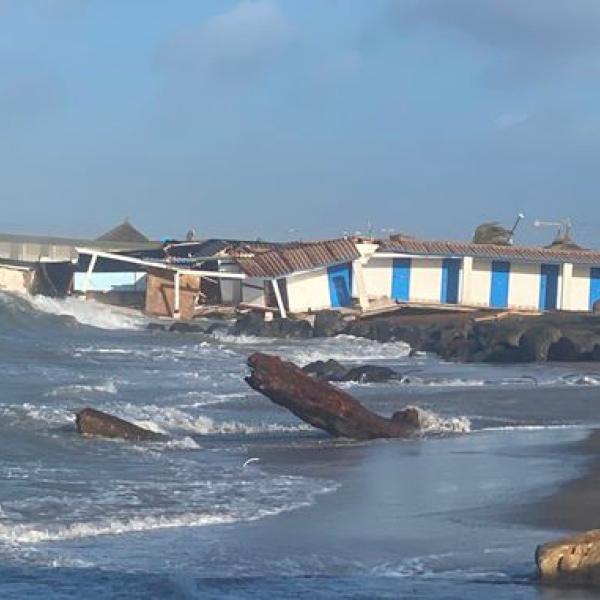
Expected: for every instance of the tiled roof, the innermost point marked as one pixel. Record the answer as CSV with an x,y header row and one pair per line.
x,y
297,257
523,253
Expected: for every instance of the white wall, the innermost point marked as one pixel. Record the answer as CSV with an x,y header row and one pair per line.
x,y
481,280
378,277
308,290
579,288
426,280
524,286
15,280
255,294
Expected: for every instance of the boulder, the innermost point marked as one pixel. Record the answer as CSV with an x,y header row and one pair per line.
x,y
321,404
371,374
329,323
573,560
535,343
156,327
329,370
95,422
254,324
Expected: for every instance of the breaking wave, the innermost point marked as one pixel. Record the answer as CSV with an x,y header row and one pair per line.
x,y
88,312
432,423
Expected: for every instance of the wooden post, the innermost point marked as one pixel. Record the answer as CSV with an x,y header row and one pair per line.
x,y
279,299
176,301
88,276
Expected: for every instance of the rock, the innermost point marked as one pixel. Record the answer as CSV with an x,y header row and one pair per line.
x,y
329,323
536,341
330,370
254,324
573,560
319,403
94,422
371,374
156,327
183,327
596,307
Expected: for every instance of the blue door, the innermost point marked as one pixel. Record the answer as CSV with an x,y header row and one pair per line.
x,y
548,287
450,278
499,287
401,279
340,285
594,286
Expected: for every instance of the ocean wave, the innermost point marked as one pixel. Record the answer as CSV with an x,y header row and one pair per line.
x,y
108,387
346,348
581,379
21,533
433,423
87,312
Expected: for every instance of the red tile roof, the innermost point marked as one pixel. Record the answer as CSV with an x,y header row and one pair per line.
x,y
297,257
459,249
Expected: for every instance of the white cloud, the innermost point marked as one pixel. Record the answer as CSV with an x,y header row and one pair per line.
x,y
237,43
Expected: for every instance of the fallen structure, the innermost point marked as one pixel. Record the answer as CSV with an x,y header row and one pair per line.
x,y
573,560
323,405
94,422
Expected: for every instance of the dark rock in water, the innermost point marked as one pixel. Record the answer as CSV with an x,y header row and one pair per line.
x,y
94,422
329,323
330,370
319,403
254,324
214,327
371,374
596,307
183,327
156,327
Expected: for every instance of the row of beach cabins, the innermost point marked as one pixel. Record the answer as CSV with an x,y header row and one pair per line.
x,y
182,279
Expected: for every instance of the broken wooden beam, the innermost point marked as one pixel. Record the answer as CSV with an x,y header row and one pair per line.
x,y
321,404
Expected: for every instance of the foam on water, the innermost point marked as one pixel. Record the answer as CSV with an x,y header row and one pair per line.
x,y
432,423
88,312
346,348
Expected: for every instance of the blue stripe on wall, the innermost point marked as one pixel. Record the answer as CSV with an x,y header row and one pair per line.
x,y
499,287
450,279
594,286
401,279
340,285
548,287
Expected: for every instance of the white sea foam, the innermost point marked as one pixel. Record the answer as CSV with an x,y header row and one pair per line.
x,y
108,387
18,533
432,423
346,348
88,312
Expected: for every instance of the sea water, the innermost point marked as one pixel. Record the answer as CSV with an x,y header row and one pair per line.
x,y
243,500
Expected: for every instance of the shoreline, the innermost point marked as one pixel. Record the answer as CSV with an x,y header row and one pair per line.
x,y
573,506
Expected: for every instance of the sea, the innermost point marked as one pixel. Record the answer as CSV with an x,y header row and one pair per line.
x,y
243,500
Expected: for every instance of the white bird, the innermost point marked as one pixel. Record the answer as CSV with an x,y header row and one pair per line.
x,y
250,460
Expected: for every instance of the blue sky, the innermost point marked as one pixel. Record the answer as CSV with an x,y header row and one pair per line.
x,y
299,118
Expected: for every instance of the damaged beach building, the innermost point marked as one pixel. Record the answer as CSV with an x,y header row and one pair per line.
x,y
182,280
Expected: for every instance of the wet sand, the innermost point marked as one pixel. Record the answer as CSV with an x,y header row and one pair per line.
x,y
575,505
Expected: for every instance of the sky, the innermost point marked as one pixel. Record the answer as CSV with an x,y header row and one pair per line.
x,y
299,119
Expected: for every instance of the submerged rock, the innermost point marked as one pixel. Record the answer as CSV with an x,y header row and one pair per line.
x,y
90,421
371,374
573,560
330,370
255,324
183,327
